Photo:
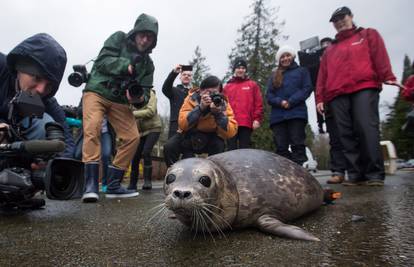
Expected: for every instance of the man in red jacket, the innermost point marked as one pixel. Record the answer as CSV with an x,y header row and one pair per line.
x,y
350,79
246,101
408,90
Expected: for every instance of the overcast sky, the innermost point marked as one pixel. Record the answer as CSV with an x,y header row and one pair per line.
x,y
81,27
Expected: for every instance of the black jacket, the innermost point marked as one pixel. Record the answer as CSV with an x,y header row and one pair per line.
x,y
176,95
51,56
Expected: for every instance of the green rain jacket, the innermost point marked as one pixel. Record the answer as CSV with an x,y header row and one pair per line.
x,y
111,66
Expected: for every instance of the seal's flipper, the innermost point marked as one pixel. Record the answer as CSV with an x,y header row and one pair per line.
x,y
272,225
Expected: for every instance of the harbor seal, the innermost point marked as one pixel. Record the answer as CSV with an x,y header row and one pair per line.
x,y
242,188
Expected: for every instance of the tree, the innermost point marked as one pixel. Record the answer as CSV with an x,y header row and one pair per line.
x,y
391,129
257,44
200,69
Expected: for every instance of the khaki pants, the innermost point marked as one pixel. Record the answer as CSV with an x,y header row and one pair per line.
x,y
121,119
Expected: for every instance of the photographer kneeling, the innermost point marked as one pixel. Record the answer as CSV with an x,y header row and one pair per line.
x,y
121,75
35,66
205,121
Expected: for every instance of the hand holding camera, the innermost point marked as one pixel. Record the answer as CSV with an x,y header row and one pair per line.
x,y
205,101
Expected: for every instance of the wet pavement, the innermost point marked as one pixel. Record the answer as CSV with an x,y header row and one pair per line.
x,y
118,233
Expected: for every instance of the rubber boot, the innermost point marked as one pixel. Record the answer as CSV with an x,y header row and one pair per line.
x,y
90,193
104,175
115,190
133,179
147,178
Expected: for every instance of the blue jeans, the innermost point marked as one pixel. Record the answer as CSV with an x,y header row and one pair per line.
x,y
37,129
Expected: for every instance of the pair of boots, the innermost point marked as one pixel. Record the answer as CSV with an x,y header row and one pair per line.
x,y
147,179
114,188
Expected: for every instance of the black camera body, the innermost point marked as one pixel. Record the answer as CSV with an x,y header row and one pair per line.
x,y
186,68
129,83
133,87
79,75
217,99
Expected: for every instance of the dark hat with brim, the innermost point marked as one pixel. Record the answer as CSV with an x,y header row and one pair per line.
x,y
340,12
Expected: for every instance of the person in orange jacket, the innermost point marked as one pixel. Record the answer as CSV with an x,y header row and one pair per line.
x,y
205,120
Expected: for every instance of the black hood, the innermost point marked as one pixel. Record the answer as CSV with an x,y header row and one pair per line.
x,y
47,52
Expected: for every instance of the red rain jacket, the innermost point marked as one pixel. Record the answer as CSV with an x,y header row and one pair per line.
x,y
355,61
245,99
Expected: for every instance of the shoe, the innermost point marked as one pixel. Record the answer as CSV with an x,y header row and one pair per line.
x,y
352,182
115,190
91,192
336,179
374,182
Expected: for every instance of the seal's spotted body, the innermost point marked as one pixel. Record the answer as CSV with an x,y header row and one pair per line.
x,y
246,188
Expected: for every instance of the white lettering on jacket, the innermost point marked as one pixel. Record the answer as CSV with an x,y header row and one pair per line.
x,y
246,88
359,42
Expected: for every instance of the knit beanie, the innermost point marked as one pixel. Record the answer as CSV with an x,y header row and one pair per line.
x,y
285,49
239,62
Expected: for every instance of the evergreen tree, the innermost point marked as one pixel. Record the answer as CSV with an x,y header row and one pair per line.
x,y
391,129
257,44
200,69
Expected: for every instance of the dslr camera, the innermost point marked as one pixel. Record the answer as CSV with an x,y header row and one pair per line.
x,y
78,76
129,83
217,98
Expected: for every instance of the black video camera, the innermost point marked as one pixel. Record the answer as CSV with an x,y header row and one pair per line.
x,y
217,98
78,76
30,166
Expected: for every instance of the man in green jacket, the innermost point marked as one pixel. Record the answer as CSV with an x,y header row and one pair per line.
x,y
121,75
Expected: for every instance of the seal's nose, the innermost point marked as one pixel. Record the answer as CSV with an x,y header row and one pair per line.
x,y
182,194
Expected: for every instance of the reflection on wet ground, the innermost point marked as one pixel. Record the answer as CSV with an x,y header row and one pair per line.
x,y
117,233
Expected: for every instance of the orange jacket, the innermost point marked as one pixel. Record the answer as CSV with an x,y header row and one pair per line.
x,y
206,122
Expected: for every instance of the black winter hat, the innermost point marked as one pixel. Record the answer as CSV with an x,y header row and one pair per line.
x,y
340,12
239,62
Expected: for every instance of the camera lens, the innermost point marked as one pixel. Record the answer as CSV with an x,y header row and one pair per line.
x,y
75,79
135,90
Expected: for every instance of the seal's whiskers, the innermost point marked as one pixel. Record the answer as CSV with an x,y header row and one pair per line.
x,y
162,211
216,214
213,223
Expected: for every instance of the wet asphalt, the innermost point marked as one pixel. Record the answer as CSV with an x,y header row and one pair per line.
x,y
368,226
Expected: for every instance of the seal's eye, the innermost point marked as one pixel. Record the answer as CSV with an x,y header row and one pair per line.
x,y
170,178
205,180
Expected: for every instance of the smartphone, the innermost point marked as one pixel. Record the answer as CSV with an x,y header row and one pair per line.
x,y
186,68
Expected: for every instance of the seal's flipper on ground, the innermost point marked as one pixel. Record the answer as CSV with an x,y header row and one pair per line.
x,y
272,225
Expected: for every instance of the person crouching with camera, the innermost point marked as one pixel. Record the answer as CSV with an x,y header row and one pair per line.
x,y
33,68
122,75
205,121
